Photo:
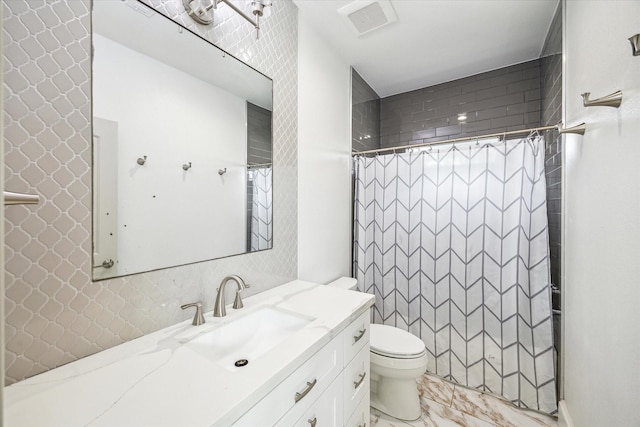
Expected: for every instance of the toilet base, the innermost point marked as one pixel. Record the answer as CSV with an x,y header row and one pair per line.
x,y
396,397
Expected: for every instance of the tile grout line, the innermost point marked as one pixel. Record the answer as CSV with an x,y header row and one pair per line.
x,y
453,393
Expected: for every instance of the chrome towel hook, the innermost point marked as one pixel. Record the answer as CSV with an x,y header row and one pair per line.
x,y
107,263
186,166
612,100
222,171
578,129
141,160
635,44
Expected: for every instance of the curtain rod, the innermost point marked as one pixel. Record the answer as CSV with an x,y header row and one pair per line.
x,y
259,165
452,141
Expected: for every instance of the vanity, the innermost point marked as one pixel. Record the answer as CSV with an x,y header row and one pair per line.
x,y
295,355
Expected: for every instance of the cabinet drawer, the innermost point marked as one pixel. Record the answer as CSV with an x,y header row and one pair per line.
x,y
356,380
325,412
355,336
298,391
361,417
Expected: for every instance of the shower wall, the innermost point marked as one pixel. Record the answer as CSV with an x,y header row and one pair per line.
x,y
496,101
551,103
365,115
259,150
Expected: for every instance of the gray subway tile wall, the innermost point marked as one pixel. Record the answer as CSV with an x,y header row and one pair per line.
x,y
551,82
259,144
496,101
365,115
55,313
259,150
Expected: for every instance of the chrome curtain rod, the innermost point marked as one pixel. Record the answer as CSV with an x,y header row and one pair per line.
x,y
453,141
259,165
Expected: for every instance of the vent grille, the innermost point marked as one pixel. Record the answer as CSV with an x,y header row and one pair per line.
x,y
365,16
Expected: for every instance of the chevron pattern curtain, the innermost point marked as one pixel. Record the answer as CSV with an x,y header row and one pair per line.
x,y
262,210
453,243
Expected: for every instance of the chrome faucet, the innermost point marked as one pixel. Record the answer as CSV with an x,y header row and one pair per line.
x,y
219,309
198,318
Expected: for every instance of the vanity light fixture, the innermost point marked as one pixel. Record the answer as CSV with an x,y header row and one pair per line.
x,y
201,11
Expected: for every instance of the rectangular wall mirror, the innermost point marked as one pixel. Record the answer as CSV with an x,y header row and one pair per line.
x,y
182,146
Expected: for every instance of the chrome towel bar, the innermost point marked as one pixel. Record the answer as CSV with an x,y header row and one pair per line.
x,y
11,198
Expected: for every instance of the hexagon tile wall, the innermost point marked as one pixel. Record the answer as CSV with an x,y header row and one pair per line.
x,y
54,312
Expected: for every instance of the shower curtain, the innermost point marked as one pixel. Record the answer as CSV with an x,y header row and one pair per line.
x,y
453,243
261,208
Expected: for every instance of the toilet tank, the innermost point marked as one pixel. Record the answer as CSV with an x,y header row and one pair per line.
x,y
348,283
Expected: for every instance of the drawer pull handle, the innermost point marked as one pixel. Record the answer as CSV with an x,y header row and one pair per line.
x,y
313,421
356,384
300,395
356,338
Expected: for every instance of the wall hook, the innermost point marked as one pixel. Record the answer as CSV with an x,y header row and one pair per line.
x,y
222,171
635,44
613,100
186,166
141,160
579,129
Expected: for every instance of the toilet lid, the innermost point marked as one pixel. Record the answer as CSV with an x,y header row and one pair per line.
x,y
393,342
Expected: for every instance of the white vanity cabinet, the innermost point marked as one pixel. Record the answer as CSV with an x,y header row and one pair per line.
x,y
330,389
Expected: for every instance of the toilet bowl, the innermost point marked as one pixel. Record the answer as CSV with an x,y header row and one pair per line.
x,y
398,358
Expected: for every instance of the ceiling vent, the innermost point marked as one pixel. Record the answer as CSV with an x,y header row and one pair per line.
x,y
365,16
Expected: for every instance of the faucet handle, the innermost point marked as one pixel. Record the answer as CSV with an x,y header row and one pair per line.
x,y
237,303
198,318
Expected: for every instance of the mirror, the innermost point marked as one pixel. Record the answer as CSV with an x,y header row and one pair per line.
x,y
182,146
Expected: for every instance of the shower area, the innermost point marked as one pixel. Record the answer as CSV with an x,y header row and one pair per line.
x,y
259,178
457,198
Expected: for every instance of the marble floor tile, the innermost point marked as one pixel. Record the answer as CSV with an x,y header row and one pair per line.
x,y
379,419
435,414
435,389
497,411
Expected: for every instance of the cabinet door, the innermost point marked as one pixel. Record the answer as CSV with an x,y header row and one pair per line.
x,y
356,335
324,412
356,381
361,417
297,392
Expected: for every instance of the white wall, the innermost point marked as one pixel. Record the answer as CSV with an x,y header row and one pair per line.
x,y
172,124
601,287
324,144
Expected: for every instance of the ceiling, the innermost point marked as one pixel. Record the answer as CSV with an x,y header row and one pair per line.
x,y
435,41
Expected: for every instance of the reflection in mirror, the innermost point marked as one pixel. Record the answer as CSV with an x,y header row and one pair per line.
x,y
182,146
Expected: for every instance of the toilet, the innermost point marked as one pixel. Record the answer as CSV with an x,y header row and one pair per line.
x,y
398,359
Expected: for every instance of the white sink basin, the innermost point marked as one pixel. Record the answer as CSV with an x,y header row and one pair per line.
x,y
248,337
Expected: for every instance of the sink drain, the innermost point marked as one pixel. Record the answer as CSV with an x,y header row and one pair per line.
x,y
242,362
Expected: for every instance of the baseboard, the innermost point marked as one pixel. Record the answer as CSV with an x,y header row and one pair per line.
x,y
564,419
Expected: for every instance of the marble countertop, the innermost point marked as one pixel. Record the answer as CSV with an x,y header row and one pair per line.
x,y
157,380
